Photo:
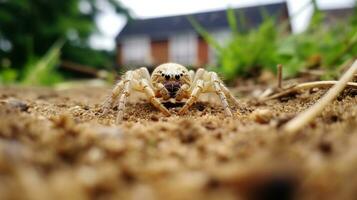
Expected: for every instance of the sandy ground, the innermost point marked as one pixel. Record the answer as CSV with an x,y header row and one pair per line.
x,y
54,144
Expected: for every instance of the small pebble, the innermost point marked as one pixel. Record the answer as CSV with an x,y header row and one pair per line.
x,y
261,116
154,118
18,104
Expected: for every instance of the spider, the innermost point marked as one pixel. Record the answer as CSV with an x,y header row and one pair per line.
x,y
168,81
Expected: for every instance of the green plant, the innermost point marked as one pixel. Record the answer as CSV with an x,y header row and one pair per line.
x,y
247,50
29,27
8,76
250,51
325,46
42,71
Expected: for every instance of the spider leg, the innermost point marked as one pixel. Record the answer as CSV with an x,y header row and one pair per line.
x,y
145,87
191,73
163,91
199,74
110,100
160,90
123,96
145,73
220,93
183,92
194,96
229,94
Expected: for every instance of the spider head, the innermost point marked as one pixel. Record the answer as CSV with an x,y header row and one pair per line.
x,y
172,76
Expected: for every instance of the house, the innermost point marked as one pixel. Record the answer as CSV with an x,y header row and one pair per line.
x,y
149,42
337,15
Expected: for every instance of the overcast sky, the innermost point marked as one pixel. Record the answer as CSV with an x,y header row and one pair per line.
x,y
110,23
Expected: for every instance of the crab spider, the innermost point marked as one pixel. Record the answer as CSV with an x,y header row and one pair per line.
x,y
169,80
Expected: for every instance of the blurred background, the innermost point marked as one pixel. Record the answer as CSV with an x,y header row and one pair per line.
x,y
54,42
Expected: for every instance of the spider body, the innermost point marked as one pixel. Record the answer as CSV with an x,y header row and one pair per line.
x,y
172,77
168,81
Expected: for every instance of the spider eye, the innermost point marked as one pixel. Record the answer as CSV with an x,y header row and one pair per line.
x,y
162,74
181,74
177,77
167,77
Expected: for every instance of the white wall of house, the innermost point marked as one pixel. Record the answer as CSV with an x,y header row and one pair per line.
x,y
136,50
183,48
221,36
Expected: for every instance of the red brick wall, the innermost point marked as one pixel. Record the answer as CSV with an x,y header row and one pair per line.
x,y
202,52
159,52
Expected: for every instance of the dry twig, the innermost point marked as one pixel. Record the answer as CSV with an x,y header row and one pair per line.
x,y
272,90
280,75
305,86
306,116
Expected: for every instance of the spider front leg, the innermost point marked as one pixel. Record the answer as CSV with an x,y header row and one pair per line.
x,y
123,96
183,92
144,72
197,90
218,89
117,90
197,85
162,91
229,94
149,92
108,103
209,82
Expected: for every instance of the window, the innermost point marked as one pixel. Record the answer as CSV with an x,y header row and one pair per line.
x,y
183,48
222,37
136,50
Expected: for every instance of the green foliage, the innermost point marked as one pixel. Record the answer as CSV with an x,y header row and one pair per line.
x,y
321,46
231,18
38,71
30,27
250,51
246,50
8,76
43,71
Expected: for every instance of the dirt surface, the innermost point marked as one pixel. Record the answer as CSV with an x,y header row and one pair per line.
x,y
54,144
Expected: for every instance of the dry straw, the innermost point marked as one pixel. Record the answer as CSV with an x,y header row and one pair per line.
x,y
280,75
306,116
305,86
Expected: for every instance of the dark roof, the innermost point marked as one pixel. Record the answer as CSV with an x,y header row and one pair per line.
x,y
339,12
163,27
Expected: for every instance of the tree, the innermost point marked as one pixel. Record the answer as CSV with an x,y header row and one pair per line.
x,y
29,28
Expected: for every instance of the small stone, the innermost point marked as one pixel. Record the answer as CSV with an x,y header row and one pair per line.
x,y
282,120
325,147
95,155
261,116
154,118
107,131
18,104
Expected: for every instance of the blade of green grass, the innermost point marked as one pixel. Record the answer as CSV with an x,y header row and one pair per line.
x,y
42,71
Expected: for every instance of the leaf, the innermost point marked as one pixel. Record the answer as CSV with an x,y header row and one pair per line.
x,y
231,18
42,71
